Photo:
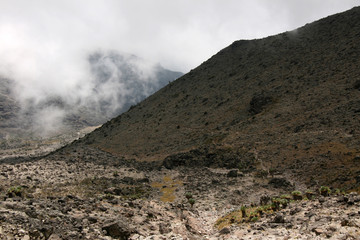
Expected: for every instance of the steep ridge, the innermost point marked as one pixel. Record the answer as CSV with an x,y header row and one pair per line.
x,y
286,102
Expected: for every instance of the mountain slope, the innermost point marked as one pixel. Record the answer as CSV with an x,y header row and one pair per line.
x,y
284,110
289,101
8,106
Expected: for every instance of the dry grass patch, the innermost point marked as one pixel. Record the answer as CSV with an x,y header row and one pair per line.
x,y
167,187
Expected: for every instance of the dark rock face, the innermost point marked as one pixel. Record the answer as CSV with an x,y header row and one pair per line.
x,y
118,230
259,102
357,85
281,183
225,231
232,173
209,157
279,218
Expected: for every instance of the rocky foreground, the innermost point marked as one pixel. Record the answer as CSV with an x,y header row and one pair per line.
x,y
101,197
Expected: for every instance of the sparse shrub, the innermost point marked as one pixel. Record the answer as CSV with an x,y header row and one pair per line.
x,y
309,194
272,172
297,195
253,214
337,191
241,166
286,196
243,211
232,219
275,204
115,174
254,219
188,195
15,191
267,207
261,173
109,196
260,210
324,191
191,201
264,200
284,202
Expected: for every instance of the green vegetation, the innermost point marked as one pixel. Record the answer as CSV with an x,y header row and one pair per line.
x,y
324,191
188,195
191,201
338,191
261,173
286,196
137,193
309,194
297,195
109,196
241,166
254,213
243,211
15,191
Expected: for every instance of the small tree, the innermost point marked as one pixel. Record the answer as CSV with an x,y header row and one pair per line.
x,y
188,195
191,201
297,195
243,211
309,194
324,191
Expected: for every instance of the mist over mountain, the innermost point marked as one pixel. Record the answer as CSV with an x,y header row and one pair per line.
x,y
121,81
115,81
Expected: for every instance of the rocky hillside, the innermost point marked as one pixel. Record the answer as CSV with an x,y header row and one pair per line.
x,y
238,148
286,102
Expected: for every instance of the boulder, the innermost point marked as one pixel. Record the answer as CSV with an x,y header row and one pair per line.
x,y
232,173
117,230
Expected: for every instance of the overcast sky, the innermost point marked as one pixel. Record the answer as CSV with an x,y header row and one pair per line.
x,y
48,35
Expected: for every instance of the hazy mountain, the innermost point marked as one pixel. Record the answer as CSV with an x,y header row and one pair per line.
x,y
117,81
121,81
289,102
9,108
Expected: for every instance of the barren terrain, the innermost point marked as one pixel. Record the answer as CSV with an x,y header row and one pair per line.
x,y
259,142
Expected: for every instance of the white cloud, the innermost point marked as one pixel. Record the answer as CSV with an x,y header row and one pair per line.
x,y
179,34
